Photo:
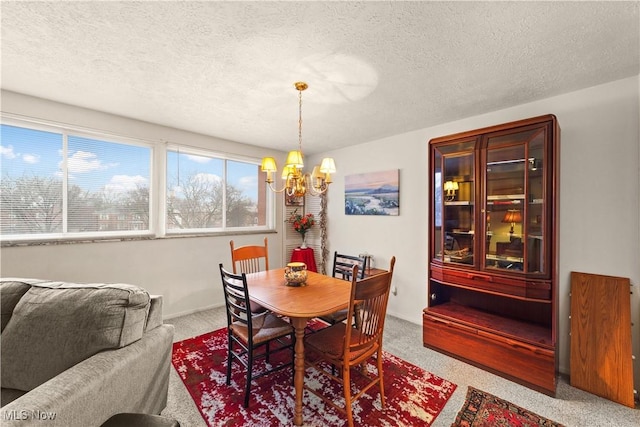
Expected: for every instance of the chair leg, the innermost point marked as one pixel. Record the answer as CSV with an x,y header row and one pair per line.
x,y
381,376
268,352
346,384
229,359
247,386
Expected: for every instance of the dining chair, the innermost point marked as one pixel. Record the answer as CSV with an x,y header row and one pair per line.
x,y
342,264
342,268
248,332
346,346
250,259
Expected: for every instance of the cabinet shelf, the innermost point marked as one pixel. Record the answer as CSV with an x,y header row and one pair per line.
x,y
506,197
494,257
505,202
531,333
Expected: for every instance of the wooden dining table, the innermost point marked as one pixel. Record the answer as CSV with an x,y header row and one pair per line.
x,y
320,295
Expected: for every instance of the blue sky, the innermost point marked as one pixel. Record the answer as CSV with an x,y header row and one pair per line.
x,y
25,152
94,164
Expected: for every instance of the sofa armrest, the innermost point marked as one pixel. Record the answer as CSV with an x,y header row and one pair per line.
x,y
134,378
154,318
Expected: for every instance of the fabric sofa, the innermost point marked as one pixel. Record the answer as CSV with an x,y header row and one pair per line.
x,y
76,354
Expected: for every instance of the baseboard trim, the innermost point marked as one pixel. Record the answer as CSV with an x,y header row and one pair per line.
x,y
406,318
187,312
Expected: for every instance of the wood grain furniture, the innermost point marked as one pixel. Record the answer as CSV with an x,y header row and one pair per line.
x,y
321,295
373,271
248,332
343,268
346,347
249,258
601,356
493,249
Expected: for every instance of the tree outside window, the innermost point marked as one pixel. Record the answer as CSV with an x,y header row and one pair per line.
x,y
206,192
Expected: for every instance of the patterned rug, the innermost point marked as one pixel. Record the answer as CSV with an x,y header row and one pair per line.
x,y
482,409
414,397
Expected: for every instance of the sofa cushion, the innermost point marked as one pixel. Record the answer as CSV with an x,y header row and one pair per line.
x,y
10,293
8,395
55,325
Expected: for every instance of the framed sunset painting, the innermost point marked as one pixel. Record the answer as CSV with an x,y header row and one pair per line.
x,y
374,193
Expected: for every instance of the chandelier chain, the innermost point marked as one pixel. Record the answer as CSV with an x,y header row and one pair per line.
x,y
300,120
299,183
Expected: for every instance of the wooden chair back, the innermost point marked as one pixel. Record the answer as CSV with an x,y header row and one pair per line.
x,y
250,258
345,346
236,297
246,332
343,264
368,305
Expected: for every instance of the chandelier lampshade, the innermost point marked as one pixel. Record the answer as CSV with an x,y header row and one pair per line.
x,y
269,164
286,171
328,165
294,159
296,181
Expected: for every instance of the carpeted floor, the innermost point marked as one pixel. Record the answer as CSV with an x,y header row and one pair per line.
x,y
413,396
571,407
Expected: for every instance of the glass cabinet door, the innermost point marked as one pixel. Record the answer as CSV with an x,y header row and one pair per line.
x,y
454,189
514,207
536,218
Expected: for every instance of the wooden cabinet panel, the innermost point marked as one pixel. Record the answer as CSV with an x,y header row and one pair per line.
x,y
523,363
494,283
493,249
601,359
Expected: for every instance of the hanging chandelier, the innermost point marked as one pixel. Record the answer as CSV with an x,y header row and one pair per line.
x,y
296,181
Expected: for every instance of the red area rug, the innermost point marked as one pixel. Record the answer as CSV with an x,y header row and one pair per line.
x,y
482,409
414,397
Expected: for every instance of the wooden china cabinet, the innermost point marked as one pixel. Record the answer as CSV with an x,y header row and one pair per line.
x,y
493,249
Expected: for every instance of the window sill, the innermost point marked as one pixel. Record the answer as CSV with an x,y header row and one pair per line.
x,y
110,239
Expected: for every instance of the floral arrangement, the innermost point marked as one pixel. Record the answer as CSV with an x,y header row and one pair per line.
x,y
301,223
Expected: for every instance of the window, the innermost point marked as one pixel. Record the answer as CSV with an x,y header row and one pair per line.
x,y
58,184
31,182
207,192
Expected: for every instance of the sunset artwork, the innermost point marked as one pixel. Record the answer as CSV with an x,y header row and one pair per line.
x,y
375,193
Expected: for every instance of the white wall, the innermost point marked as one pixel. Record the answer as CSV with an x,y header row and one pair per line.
x,y
599,197
184,270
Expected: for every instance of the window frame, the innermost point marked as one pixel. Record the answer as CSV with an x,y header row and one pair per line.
x,y
157,187
224,229
69,130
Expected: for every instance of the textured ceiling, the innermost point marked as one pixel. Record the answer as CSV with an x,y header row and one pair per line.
x,y
374,69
